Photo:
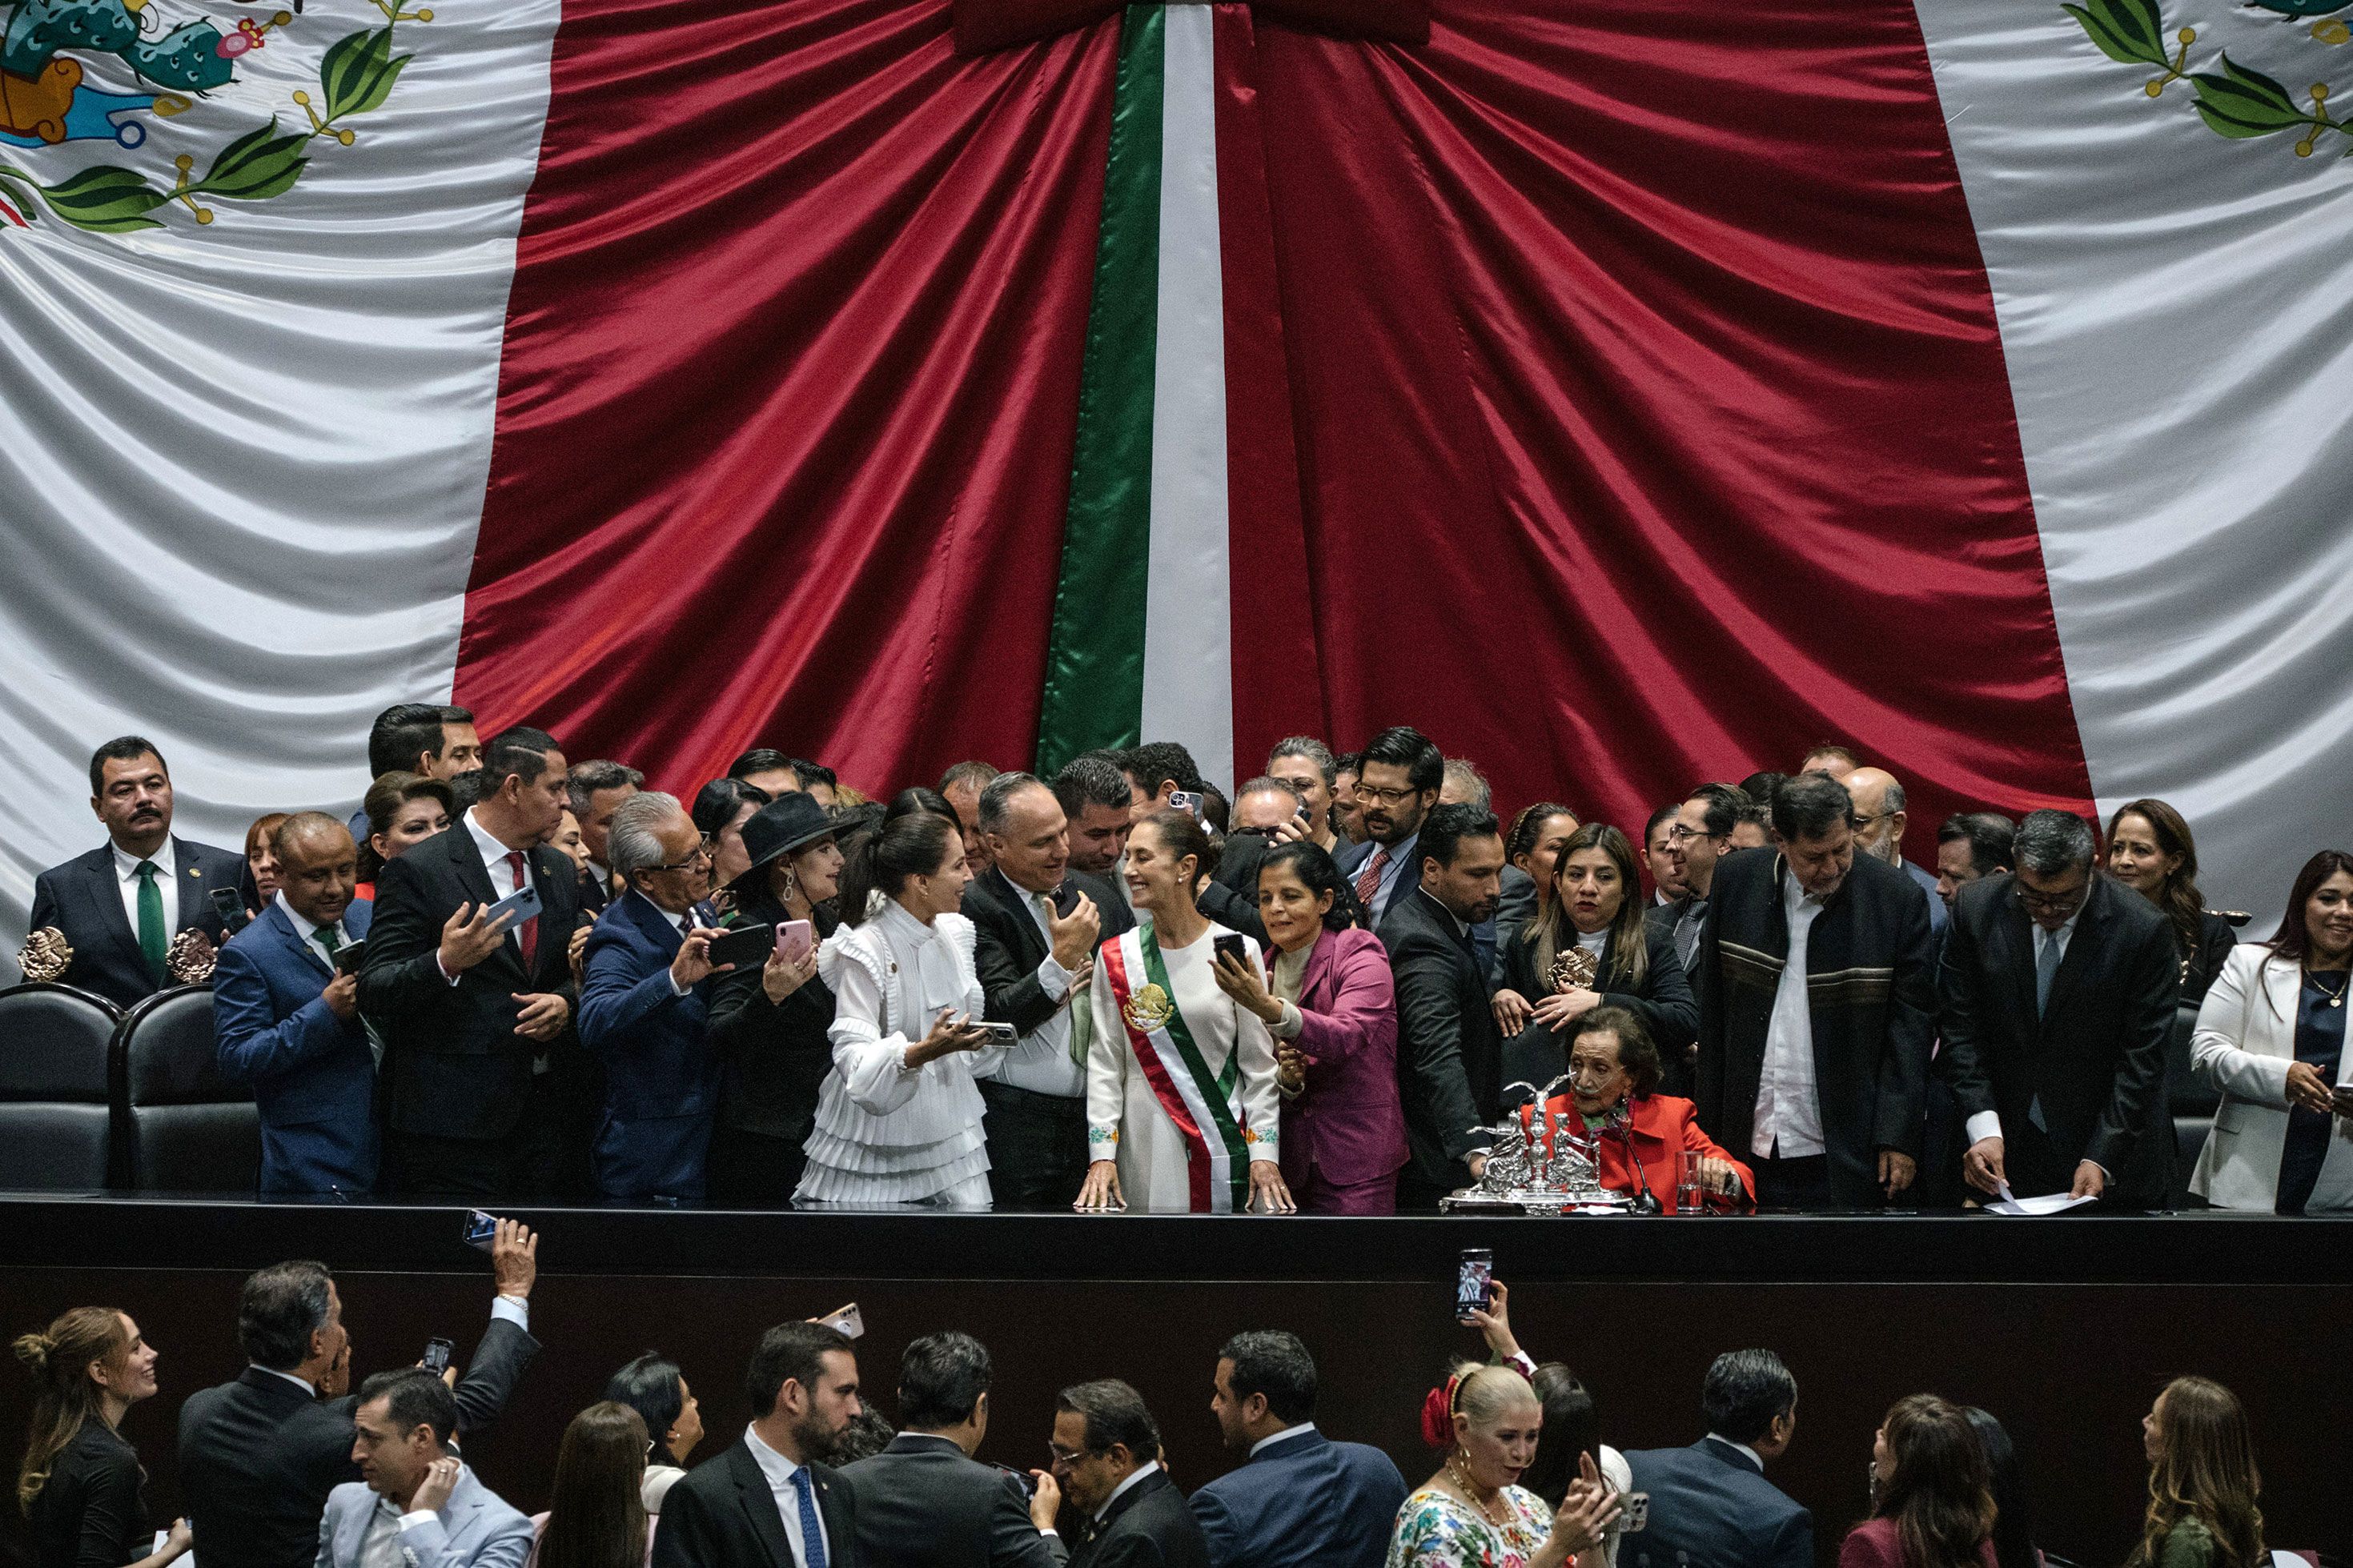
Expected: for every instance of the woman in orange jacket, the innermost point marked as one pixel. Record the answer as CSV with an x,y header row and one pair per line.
x,y
1612,1097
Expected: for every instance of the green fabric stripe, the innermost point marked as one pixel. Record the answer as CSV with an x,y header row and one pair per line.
x,y
1095,663
1216,1090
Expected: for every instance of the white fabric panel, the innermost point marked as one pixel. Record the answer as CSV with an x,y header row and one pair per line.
x,y
2177,310
242,463
1187,649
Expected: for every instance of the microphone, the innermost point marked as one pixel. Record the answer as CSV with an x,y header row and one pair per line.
x,y
1620,1122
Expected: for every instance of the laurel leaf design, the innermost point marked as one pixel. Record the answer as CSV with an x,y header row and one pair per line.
x,y
2130,32
256,165
105,200
2242,102
358,73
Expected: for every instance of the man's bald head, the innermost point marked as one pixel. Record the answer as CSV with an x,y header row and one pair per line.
x,y
1879,813
318,866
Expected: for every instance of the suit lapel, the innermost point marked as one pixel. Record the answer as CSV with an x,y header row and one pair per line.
x,y
2016,932
283,930
557,906
1320,958
2080,946
760,1503
1031,945
354,1529
98,880
466,859
195,888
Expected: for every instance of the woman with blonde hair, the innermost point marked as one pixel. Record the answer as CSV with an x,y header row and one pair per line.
x,y
2202,1482
1472,1513
1931,1490
80,1484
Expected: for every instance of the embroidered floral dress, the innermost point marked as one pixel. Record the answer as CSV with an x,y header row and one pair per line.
x,y
1434,1530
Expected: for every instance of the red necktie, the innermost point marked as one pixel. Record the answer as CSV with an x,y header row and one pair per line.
x,y
1369,881
526,933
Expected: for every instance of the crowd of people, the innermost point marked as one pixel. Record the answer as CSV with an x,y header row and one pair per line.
x,y
292,1467
512,976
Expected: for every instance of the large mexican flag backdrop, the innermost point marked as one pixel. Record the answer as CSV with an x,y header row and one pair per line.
x,y
1629,394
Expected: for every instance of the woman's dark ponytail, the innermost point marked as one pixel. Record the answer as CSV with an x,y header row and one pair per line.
x,y
909,847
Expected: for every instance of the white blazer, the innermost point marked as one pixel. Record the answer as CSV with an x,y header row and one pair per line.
x,y
2242,1048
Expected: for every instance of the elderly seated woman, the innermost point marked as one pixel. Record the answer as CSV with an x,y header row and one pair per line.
x,y
1640,1134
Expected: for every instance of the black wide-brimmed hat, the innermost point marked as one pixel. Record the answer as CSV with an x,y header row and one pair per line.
x,y
792,821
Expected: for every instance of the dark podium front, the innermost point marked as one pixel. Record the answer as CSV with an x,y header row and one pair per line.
x,y
2065,1328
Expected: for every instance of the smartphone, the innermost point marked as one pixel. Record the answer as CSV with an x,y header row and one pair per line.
x,y
231,910
848,1319
1185,800
437,1356
745,947
1066,899
523,905
1231,946
1474,1282
1001,1032
481,1229
796,939
1637,1516
1022,1479
348,956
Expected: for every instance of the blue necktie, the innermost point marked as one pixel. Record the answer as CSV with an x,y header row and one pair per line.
x,y
812,1537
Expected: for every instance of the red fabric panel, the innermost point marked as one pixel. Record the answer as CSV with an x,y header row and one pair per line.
x,y
1278,689
1652,406
785,414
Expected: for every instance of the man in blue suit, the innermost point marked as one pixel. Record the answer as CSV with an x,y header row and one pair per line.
x,y
645,1006
418,1504
121,905
1711,1506
1300,1500
286,1017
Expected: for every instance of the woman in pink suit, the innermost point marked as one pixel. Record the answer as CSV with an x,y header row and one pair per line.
x,y
1331,1007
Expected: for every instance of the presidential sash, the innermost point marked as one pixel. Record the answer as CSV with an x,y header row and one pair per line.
x,y
1204,1107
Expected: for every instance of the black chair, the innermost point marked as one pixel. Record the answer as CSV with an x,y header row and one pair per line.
x,y
184,1131
55,1120
2191,1103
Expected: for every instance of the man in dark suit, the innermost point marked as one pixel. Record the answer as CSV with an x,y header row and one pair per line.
x,y
120,905
645,1006
1106,1458
431,740
596,789
924,1501
1300,1500
1817,1007
258,1456
1448,1051
1035,926
1398,776
1711,1506
768,1500
482,1070
286,1017
2057,993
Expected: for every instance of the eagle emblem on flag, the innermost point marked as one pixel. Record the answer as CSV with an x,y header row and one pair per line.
x,y
83,70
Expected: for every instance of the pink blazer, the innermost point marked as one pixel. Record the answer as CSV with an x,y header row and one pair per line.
x,y
1347,1120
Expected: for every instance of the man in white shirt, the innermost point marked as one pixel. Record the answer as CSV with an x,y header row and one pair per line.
x,y
1815,987
772,1485
119,908
415,1504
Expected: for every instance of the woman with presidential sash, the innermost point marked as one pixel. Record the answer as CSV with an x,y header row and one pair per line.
x,y
1182,1107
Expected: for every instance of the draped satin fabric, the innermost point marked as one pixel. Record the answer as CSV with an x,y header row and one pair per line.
x,y
1649,410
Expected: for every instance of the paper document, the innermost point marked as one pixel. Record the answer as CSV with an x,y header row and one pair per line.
x,y
2056,1202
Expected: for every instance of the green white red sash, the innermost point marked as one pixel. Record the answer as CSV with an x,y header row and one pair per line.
x,y
1205,1107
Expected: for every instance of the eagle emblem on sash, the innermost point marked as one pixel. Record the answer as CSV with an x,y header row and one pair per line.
x,y
1148,1009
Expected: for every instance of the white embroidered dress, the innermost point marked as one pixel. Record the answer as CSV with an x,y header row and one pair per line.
x,y
883,1134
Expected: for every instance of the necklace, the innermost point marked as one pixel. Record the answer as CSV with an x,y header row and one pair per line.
x,y
1462,1479
2336,999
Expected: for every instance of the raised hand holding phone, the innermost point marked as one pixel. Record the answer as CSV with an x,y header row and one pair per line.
x,y
951,1032
467,937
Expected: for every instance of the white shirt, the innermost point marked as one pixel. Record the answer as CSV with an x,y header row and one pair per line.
x,y
1788,1108
1987,1123
1593,941
1300,1430
494,857
308,930
380,1543
126,872
1039,1061
780,1471
1133,1475
677,922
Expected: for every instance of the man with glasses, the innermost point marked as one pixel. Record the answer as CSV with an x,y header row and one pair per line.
x,y
645,1006
1880,820
2056,999
481,1070
1397,780
1817,999
1698,834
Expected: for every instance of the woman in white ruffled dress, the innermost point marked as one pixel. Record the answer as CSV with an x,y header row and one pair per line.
x,y
899,1120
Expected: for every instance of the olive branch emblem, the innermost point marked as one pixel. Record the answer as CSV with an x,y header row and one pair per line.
x,y
355,76
2236,101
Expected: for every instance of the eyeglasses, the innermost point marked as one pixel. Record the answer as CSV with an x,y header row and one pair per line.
x,y
702,853
1065,1456
1678,833
2054,901
1859,821
1386,797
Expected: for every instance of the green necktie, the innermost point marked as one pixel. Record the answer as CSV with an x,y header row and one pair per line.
x,y
1083,1021
153,940
325,937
